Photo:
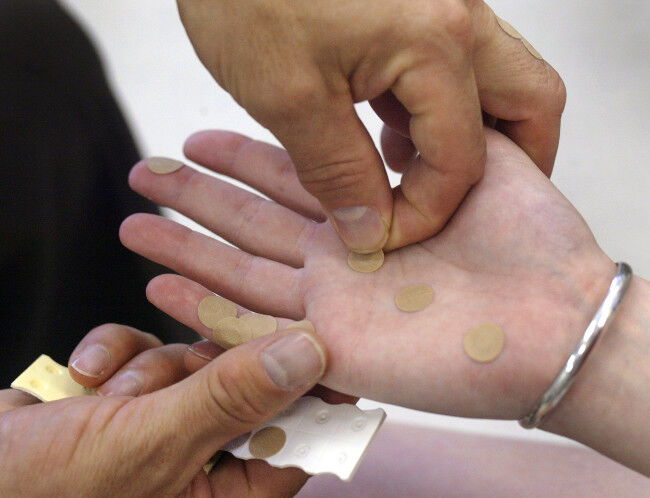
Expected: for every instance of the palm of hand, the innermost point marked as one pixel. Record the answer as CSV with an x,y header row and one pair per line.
x,y
506,257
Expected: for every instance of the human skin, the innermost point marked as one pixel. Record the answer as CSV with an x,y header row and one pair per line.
x,y
420,461
516,254
154,444
430,69
393,465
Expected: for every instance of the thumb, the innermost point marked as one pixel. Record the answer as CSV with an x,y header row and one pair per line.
x,y
338,163
236,392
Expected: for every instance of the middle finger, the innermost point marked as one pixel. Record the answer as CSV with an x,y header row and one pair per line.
x,y
254,224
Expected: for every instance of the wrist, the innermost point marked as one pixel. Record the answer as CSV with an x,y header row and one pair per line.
x,y
606,406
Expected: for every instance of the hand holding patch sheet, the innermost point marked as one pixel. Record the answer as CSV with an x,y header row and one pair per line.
x,y
161,413
317,437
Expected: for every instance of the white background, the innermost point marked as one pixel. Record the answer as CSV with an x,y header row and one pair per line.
x,y
601,48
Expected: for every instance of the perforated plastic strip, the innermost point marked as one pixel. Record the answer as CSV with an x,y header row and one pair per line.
x,y
320,438
48,381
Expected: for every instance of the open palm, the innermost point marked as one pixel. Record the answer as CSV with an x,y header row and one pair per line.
x,y
516,253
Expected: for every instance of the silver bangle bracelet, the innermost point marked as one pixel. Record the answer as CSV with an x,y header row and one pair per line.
x,y
565,378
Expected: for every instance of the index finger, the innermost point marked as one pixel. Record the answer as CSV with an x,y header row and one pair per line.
x,y
446,127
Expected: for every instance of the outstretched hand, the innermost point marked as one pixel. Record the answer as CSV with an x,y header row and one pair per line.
x,y
516,253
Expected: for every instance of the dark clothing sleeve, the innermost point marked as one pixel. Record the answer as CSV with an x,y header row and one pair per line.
x,y
65,153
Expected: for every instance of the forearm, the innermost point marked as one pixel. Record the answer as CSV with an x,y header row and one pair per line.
x,y
608,405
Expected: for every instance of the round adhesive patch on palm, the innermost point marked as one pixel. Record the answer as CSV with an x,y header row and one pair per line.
x,y
163,165
366,263
260,325
484,342
511,31
414,297
267,442
231,332
302,324
213,309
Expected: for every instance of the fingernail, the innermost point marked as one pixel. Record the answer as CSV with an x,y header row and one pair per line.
x,y
92,361
361,228
123,384
294,361
205,349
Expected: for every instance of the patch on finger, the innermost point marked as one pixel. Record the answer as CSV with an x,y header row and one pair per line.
x,y
163,165
212,309
511,31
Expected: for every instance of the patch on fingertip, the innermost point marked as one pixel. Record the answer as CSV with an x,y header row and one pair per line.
x,y
163,165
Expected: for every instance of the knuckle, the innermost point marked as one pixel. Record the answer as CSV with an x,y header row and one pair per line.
x,y
452,16
251,209
153,361
550,92
433,25
558,92
455,14
234,398
190,185
243,266
458,22
333,179
283,102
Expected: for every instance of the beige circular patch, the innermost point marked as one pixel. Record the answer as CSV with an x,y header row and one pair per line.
x,y
483,342
302,324
163,165
366,263
510,30
213,308
414,297
267,442
260,325
231,332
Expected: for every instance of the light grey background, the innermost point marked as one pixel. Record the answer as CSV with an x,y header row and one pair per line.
x,y
601,48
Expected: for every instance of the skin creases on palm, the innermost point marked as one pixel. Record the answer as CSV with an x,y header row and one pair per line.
x,y
516,254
